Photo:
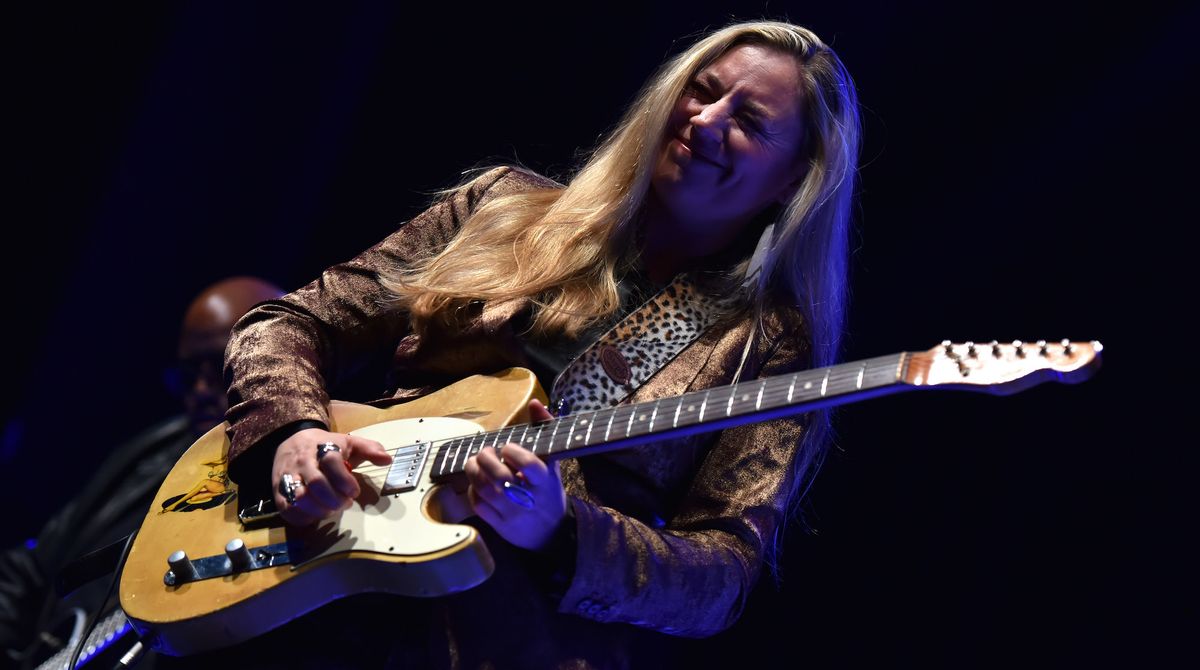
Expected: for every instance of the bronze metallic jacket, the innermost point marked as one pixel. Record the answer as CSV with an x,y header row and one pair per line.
x,y
671,536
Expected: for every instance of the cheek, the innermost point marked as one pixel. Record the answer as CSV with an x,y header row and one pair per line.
x,y
684,109
772,170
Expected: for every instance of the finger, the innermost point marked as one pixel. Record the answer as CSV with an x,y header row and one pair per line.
x,y
316,495
489,463
538,412
361,449
311,508
526,463
293,515
484,487
340,478
484,508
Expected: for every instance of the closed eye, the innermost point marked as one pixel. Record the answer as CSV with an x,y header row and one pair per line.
x,y
698,91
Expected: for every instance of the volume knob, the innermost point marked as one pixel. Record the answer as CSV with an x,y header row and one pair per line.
x,y
182,569
239,555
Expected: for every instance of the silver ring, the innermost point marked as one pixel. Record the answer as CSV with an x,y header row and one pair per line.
x,y
326,447
288,485
518,494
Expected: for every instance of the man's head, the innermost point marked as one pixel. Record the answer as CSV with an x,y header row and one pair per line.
x,y
202,341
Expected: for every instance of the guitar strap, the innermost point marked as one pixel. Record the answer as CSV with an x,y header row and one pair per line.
x,y
621,360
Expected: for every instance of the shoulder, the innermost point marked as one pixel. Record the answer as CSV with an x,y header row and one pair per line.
x,y
784,339
505,180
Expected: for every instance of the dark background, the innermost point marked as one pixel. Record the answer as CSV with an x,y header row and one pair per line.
x,y
1024,176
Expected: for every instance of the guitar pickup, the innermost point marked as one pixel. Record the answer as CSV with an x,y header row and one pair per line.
x,y
260,515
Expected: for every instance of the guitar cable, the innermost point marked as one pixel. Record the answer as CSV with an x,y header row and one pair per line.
x,y
95,616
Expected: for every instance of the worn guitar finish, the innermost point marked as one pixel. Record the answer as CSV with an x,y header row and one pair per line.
x,y
402,534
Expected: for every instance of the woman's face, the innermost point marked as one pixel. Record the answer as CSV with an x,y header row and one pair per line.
x,y
733,143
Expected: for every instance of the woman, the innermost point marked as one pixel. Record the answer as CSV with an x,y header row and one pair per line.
x,y
756,124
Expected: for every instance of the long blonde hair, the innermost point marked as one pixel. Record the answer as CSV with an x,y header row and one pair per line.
x,y
563,248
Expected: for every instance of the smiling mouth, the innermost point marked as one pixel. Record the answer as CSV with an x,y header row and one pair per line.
x,y
698,155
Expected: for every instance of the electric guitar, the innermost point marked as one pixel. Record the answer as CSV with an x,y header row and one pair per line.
x,y
202,576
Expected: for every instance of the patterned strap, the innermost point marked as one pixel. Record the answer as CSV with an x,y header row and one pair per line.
x,y
629,354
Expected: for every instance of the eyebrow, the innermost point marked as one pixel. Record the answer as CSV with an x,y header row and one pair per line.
x,y
755,109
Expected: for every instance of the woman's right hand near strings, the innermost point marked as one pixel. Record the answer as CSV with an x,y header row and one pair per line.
x,y
326,485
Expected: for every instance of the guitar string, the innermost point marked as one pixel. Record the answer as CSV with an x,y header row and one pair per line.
x,y
775,391
770,396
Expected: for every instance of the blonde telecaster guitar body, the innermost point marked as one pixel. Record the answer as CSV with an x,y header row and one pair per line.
x,y
405,543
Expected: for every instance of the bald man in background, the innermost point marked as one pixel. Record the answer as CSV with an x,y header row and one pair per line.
x,y
114,502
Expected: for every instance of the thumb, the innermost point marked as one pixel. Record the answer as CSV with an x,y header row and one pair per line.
x,y
363,449
538,412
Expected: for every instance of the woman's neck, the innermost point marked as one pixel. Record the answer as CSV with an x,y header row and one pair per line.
x,y
670,246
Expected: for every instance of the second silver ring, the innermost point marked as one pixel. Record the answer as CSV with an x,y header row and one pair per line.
x,y
325,448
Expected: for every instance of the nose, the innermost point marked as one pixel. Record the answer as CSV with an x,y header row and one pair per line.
x,y
712,121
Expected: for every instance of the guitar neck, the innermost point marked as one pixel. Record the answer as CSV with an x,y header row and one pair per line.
x,y
993,368
625,426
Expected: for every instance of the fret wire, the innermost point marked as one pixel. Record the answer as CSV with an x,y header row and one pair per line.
x,y
442,456
448,465
653,416
612,415
632,414
729,405
550,446
453,457
574,422
825,382
703,405
588,435
537,440
470,450
758,401
675,419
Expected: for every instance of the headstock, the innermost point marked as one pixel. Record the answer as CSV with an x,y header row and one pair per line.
x,y
1003,368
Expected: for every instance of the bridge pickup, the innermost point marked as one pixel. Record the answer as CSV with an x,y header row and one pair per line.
x,y
260,515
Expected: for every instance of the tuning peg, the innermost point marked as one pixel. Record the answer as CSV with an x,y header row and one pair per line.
x,y
1042,351
995,348
1066,345
971,353
1020,347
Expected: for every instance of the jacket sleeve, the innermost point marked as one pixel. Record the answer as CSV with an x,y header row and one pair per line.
x,y
285,353
691,578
